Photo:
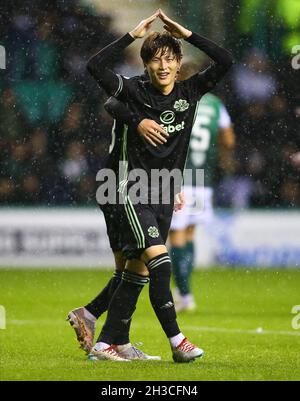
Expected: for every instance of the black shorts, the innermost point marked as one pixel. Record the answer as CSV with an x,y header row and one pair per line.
x,y
143,226
113,222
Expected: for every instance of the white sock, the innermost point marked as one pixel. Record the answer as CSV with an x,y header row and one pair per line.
x,y
88,315
176,340
101,346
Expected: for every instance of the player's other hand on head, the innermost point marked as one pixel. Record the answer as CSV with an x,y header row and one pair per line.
x,y
179,201
175,29
143,27
152,132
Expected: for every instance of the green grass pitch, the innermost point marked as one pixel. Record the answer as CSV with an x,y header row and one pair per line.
x,y
38,344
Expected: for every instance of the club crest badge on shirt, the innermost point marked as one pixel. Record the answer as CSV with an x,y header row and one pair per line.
x,y
181,105
153,232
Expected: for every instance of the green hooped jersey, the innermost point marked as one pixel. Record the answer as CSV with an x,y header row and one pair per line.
x,y
202,153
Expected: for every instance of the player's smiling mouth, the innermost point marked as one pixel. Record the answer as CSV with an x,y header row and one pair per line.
x,y
163,75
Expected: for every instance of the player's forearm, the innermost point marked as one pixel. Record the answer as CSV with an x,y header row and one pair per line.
x,y
98,64
217,53
120,111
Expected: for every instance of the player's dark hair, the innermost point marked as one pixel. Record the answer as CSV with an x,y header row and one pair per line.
x,y
160,42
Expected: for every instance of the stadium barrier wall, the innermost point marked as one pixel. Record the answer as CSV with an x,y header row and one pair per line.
x,y
65,237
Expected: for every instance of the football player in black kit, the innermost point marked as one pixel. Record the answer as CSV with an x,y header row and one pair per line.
x,y
145,226
83,319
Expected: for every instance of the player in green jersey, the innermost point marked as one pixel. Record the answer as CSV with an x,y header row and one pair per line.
x,y
212,141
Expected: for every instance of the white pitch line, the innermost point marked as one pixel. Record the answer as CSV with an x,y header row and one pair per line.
x,y
257,331
17,322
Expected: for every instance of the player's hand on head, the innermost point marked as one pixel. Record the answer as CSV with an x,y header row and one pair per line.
x,y
295,160
152,132
143,27
179,202
175,29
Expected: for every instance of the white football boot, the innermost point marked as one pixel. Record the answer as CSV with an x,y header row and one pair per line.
x,y
186,352
106,353
132,353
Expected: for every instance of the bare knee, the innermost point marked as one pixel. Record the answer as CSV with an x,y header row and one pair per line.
x,y
177,238
190,233
152,252
120,261
137,266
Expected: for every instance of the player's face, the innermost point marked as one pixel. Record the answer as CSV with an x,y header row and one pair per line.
x,y
163,69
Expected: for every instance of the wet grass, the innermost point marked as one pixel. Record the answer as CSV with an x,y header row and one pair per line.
x,y
232,304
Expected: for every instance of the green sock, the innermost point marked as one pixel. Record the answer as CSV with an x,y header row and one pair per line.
x,y
180,265
190,254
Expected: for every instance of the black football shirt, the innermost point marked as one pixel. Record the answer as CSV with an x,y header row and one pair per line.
x,y
174,112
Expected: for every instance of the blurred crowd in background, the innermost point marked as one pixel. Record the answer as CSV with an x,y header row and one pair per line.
x,y
54,132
